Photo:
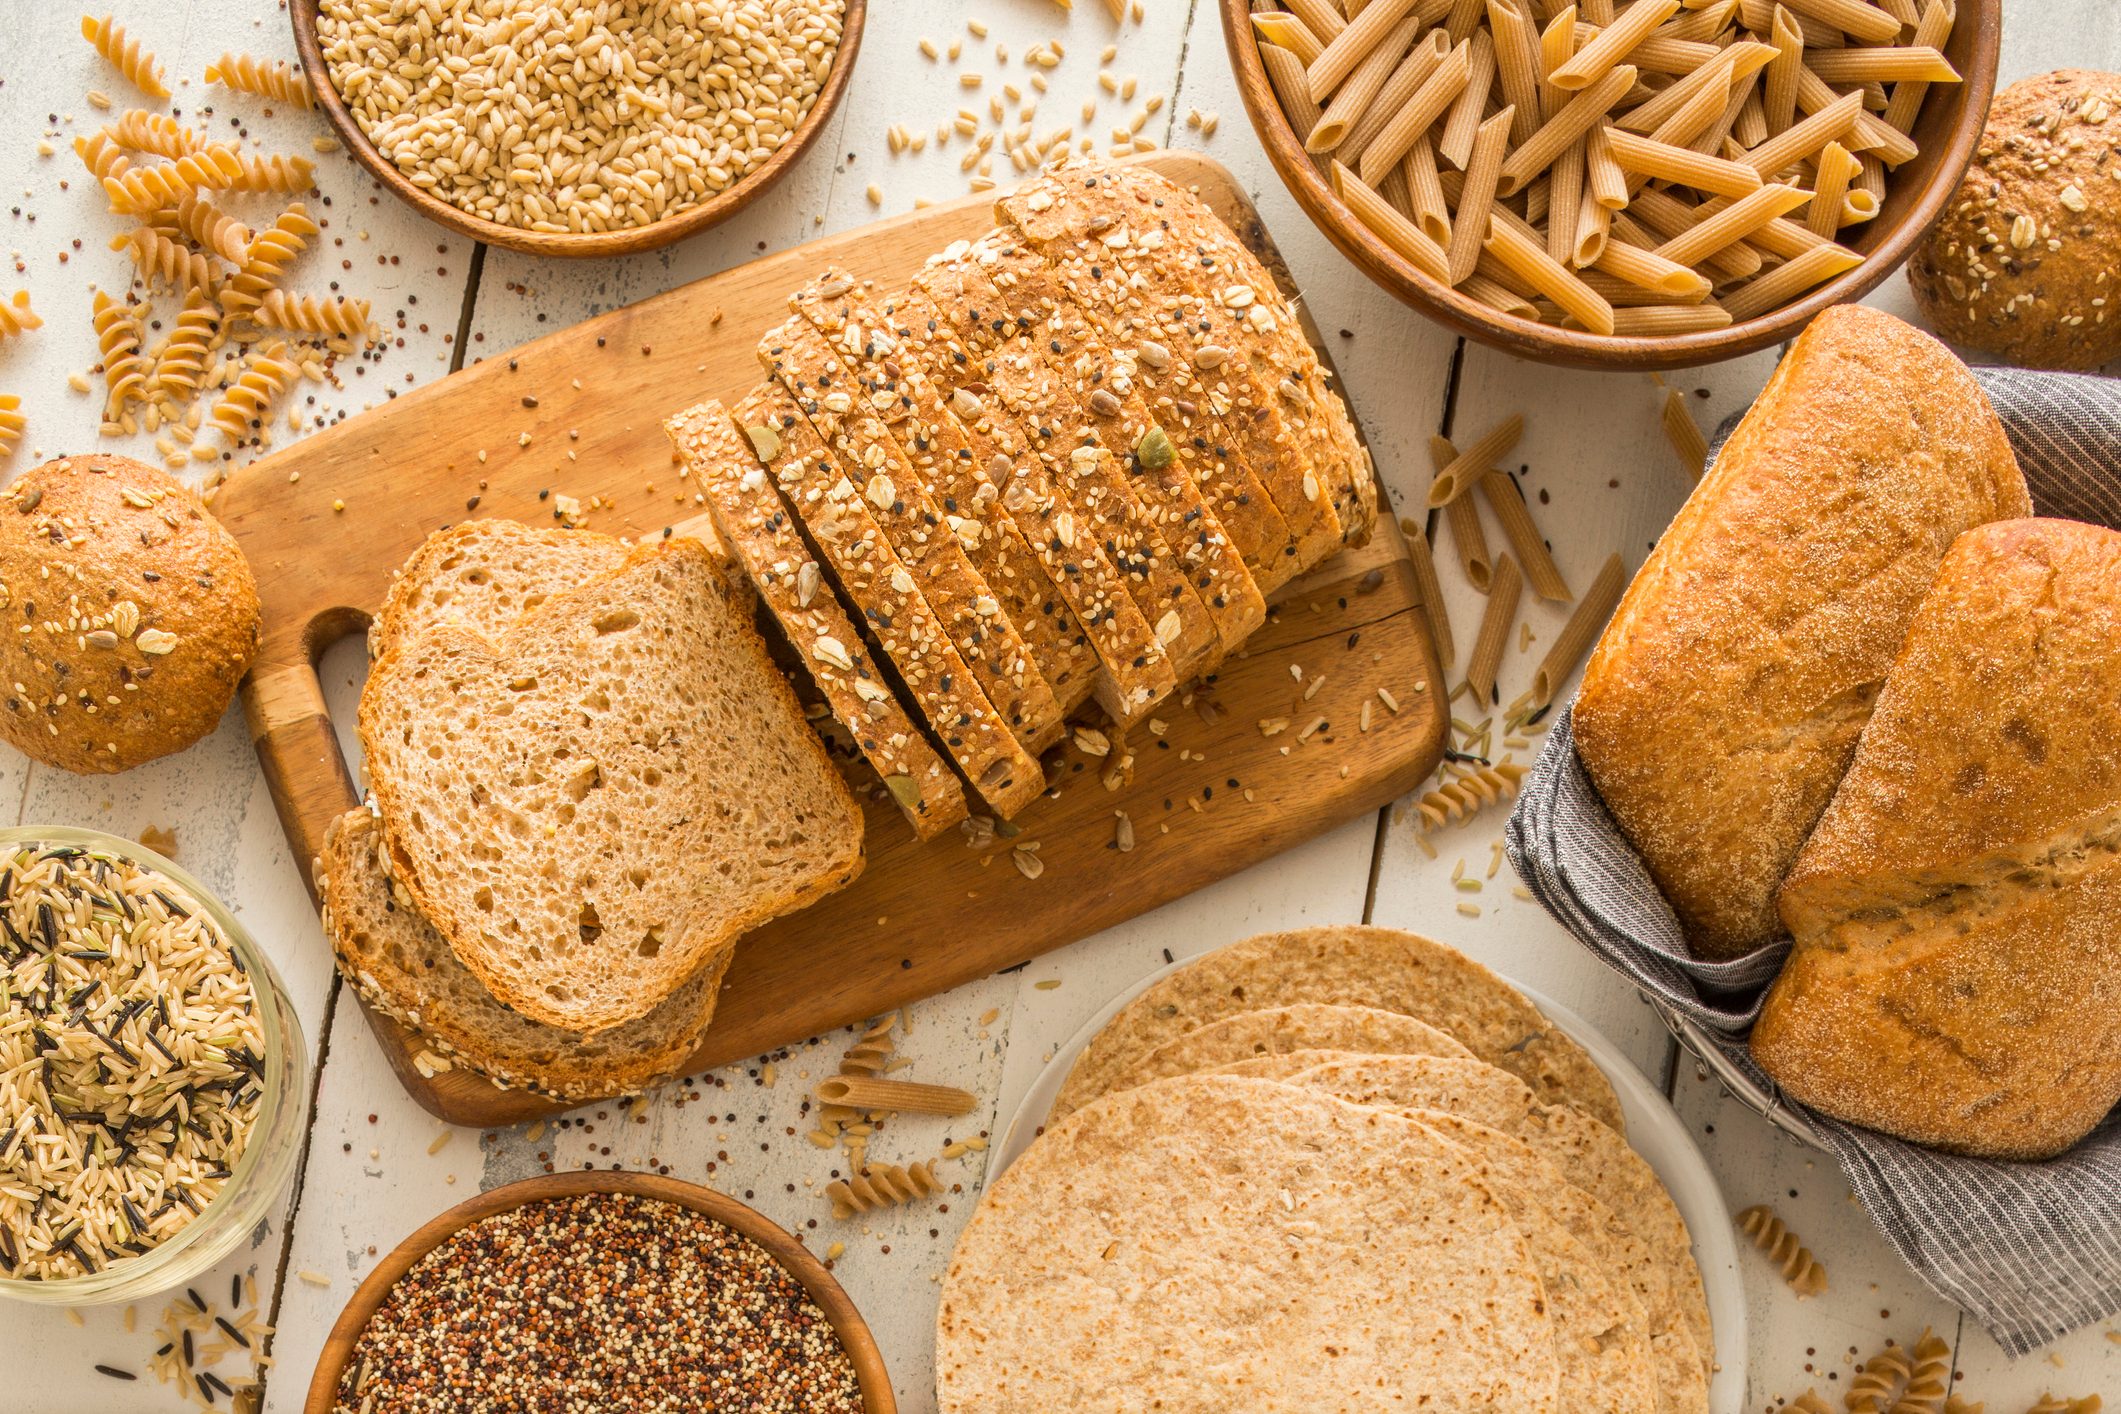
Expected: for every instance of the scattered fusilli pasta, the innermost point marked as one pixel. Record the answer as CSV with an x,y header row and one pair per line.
x,y
276,173
246,74
1810,1402
181,366
99,153
155,133
306,314
266,260
16,317
1799,1267
11,423
2051,1404
1879,1382
160,258
883,1186
243,407
144,189
1462,795
1929,1379
125,54
209,226
871,1052
118,336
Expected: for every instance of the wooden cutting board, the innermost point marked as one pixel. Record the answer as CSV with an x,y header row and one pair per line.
x,y
1291,739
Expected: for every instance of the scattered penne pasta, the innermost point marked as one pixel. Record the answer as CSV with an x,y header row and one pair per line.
x,y
873,1093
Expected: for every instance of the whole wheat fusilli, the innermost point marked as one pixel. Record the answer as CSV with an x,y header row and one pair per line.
x,y
881,1186
1771,1235
246,74
125,54
16,317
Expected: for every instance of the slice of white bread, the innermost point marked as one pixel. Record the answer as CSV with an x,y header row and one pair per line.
x,y
404,968
486,574
590,805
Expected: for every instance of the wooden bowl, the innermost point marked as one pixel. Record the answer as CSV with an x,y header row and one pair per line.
x,y
1947,133
714,210
794,1258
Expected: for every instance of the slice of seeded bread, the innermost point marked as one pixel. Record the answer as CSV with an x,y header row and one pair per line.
x,y
592,804
486,574
402,967
749,517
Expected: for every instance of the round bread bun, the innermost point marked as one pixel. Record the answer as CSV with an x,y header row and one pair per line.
x,y
140,614
2023,264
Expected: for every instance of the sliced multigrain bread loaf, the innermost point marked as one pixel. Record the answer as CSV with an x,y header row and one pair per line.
x,y
1187,246
1226,420
486,574
959,482
971,614
589,806
1002,370
752,522
1134,670
904,634
404,968
1099,384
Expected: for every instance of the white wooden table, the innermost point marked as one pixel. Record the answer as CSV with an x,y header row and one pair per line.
x,y
1593,457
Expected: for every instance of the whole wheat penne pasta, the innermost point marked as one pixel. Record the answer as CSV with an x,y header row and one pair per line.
x,y
1681,165
1469,539
1575,118
1398,91
1659,320
1593,228
1685,435
1419,248
1353,97
1515,518
1322,17
1505,591
1497,296
1557,45
1905,11
1918,63
1829,184
1432,202
1514,246
1462,18
1697,115
1596,12
1430,590
1565,201
1516,64
1566,653
1460,126
1394,189
1668,216
1613,44
1790,279
1622,295
1786,239
1281,27
873,1092
1852,17
1469,222
1286,73
1801,140
1931,30
1870,175
1535,200
1759,17
1733,223
1751,129
1651,271
1779,102
1657,55
1871,134
1418,116
1858,204
1607,184
1744,58
1700,20
1346,51
1714,140
1458,476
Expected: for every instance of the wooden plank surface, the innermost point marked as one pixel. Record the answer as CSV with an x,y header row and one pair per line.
x,y
373,1172
578,414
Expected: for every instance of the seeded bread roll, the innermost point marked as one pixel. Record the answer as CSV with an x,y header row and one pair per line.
x,y
1957,977
141,612
2022,265
1721,705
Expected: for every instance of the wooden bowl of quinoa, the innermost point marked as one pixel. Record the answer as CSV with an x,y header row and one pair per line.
x,y
627,1289
587,141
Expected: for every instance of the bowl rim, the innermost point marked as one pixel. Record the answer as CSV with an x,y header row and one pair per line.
x,y
262,1165
1550,344
302,14
785,1249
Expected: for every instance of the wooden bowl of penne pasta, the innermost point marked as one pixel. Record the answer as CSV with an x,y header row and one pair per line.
x,y
1620,183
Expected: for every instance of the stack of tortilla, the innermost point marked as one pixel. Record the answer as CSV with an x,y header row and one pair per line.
x,y
1337,1169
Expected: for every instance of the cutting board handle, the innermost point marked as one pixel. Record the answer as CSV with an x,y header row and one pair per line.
x,y
290,725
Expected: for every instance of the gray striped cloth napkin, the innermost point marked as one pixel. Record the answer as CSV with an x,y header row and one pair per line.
x,y
2032,1251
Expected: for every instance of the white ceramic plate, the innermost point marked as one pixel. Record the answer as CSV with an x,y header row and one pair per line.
x,y
1653,1127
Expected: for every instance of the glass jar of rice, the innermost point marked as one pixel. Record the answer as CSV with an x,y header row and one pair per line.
x,y
152,1072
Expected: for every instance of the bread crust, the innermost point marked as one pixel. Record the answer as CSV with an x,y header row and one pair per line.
x,y
140,612
2022,264
1957,913
1721,705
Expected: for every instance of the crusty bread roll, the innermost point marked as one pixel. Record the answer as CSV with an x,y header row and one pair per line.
x,y
1957,977
1719,709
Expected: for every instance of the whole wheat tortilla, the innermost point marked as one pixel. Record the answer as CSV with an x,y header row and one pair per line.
x,y
1588,1154
1347,966
1307,1026
1204,1244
